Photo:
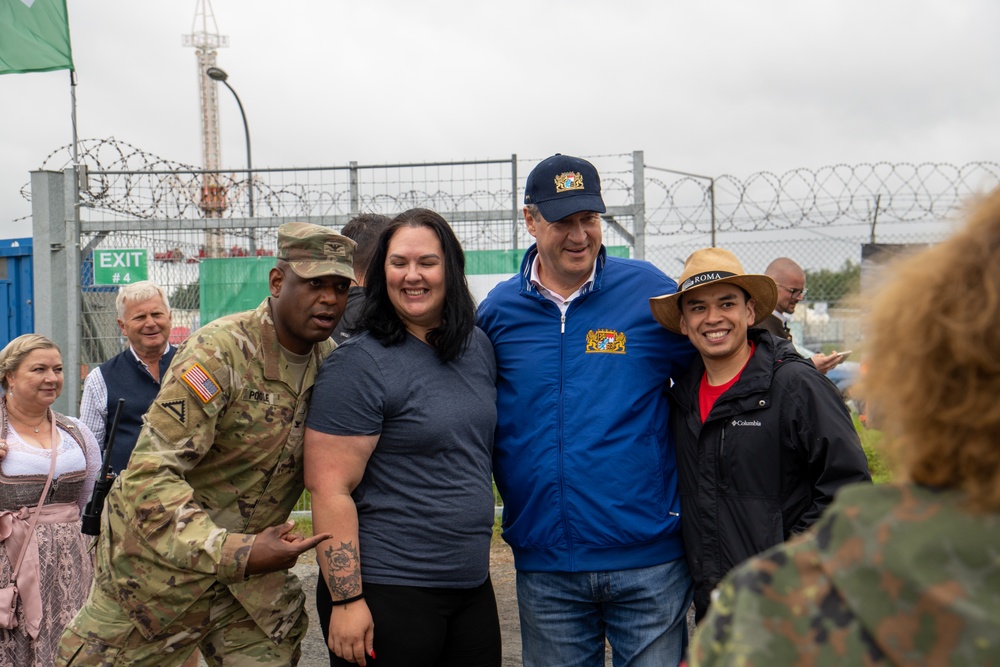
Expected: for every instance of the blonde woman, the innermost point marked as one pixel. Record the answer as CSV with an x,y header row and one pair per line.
x,y
55,572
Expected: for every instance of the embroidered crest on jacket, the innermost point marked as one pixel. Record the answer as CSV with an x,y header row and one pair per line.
x,y
606,340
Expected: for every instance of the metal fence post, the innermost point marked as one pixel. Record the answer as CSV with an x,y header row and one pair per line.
x,y
355,194
711,202
639,205
71,353
50,231
515,209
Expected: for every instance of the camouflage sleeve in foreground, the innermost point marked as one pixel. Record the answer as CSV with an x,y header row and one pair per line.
x,y
766,613
890,576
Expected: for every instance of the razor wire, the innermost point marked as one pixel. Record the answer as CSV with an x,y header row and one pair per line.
x,y
838,194
126,180
821,217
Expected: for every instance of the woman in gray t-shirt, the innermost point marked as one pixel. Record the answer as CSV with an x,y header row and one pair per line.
x,y
398,453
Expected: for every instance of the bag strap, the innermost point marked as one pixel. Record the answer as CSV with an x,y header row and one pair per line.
x,y
54,444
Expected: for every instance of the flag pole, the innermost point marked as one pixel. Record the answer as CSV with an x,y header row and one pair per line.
x,y
72,96
72,354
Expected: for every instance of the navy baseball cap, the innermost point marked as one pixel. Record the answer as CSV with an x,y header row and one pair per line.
x,y
563,185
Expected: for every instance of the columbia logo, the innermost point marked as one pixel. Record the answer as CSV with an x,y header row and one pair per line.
x,y
745,422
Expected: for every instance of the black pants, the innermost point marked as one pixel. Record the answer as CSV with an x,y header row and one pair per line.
x,y
426,627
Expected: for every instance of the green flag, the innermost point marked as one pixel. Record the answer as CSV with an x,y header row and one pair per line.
x,y
34,36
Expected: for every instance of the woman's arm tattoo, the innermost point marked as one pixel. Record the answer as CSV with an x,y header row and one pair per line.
x,y
344,571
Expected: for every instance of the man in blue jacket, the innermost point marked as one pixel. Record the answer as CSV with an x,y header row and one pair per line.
x,y
583,457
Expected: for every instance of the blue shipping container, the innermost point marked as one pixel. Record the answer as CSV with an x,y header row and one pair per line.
x,y
16,289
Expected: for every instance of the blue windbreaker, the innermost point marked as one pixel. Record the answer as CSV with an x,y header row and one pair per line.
x,y
583,457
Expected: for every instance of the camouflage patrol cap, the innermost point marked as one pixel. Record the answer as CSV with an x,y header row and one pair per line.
x,y
313,251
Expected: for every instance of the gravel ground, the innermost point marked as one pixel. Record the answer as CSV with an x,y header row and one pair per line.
x,y
314,652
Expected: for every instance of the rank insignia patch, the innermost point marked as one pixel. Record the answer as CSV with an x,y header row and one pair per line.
x,y
177,409
606,340
570,180
201,383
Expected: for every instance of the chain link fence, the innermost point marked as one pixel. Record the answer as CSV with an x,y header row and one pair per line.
x,y
823,219
188,219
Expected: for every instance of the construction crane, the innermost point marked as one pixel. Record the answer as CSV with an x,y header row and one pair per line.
x,y
205,38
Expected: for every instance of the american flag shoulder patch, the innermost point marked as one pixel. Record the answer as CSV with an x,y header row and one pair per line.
x,y
201,383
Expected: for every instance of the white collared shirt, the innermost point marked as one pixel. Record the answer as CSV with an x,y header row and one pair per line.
x,y
555,297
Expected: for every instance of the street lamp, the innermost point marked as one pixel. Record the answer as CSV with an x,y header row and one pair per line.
x,y
217,74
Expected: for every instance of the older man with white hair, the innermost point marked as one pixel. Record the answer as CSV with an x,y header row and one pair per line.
x,y
134,374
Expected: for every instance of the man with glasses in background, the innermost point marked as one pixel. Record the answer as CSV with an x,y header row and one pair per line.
x,y
791,281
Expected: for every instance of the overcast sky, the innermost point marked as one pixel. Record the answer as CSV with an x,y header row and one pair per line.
x,y
712,87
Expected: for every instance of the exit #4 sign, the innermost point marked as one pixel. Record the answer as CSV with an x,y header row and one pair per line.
x,y
120,266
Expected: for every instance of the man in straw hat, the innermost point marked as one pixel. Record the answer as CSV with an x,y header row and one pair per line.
x,y
195,543
764,440
903,573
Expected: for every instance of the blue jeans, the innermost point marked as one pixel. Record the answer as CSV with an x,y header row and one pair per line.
x,y
565,617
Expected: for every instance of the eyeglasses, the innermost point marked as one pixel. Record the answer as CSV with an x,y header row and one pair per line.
x,y
795,293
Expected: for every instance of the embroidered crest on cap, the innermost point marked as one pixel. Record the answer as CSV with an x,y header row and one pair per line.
x,y
177,409
570,180
606,340
201,383
335,249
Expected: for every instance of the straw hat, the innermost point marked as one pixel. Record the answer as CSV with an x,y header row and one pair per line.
x,y
714,265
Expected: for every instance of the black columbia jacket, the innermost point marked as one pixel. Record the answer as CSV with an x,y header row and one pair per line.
x,y
765,464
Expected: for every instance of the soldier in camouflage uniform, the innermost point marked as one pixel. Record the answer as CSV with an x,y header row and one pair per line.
x,y
906,573
195,544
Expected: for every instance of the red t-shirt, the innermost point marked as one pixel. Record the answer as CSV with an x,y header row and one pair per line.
x,y
709,394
